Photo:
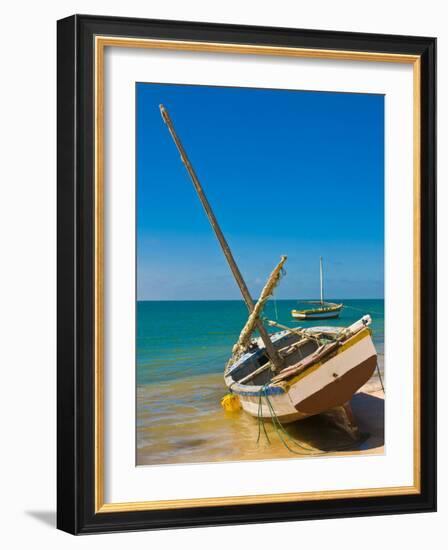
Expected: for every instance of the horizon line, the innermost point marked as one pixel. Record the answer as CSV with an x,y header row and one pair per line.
x,y
242,300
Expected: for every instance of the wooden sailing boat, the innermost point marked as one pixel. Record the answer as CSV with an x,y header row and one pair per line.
x,y
327,310
293,373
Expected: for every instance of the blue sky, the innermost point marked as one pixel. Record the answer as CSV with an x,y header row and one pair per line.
x,y
286,172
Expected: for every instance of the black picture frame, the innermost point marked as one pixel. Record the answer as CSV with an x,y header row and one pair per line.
x,y
76,264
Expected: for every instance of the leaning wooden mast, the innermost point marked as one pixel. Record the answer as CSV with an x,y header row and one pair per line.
x,y
270,349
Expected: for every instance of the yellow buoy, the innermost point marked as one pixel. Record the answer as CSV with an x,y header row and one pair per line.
x,y
231,403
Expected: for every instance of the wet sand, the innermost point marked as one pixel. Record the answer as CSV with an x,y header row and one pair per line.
x,y
183,422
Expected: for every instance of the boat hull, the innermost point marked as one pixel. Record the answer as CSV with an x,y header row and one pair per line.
x,y
332,311
326,385
315,316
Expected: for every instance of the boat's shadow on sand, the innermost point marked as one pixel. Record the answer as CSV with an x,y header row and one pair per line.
x,y
322,433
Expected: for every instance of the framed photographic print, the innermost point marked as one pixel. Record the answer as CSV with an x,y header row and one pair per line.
x,y
246,274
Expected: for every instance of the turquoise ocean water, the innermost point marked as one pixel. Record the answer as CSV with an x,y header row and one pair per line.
x,y
181,339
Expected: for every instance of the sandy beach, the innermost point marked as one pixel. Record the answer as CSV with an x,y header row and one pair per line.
x,y
183,422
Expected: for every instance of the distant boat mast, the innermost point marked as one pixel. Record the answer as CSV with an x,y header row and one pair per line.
x,y
321,282
270,349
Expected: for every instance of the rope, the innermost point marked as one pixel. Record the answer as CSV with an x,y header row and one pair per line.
x,y
363,310
380,377
260,417
282,274
280,430
300,331
275,308
279,427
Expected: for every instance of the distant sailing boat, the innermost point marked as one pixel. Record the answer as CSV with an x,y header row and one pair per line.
x,y
327,310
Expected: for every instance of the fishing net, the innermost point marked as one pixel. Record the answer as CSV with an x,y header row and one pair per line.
x,y
244,339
